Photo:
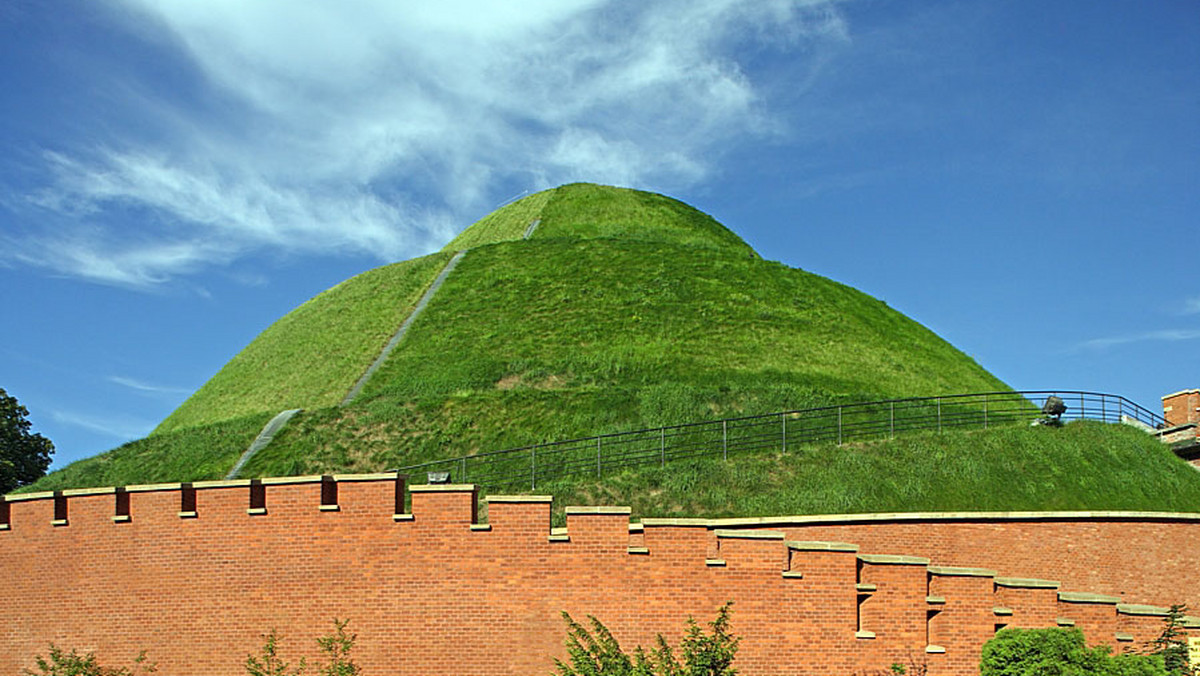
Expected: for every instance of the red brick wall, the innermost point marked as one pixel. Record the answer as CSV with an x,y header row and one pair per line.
x,y
1182,407
427,593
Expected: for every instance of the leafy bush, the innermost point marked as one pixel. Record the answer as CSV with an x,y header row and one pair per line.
x,y
597,653
270,664
1059,652
73,664
336,648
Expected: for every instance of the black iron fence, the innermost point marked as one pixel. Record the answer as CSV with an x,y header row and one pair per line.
x,y
528,465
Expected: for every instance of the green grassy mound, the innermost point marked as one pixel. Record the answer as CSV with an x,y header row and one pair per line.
x,y
623,310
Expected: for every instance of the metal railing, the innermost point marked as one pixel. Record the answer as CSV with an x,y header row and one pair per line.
x,y
528,465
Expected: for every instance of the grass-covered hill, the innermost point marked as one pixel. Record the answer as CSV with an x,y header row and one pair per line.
x,y
575,311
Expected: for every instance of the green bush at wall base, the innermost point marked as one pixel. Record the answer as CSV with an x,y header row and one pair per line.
x,y
1059,652
597,653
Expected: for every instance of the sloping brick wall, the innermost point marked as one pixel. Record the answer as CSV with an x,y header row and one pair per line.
x,y
194,576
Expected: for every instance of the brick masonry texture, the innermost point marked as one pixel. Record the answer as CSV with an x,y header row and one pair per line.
x,y
428,594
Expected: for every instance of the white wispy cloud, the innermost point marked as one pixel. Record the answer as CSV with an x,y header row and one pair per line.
x,y
379,127
149,388
1191,306
115,426
1166,335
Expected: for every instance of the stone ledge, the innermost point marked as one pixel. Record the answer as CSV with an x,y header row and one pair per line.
x,y
1064,622
1026,583
403,517
122,518
77,492
518,499
371,476
224,483
1084,597
892,559
329,508
148,488
793,575
21,497
814,519
639,550
935,649
481,527
282,480
1123,637
864,634
954,571
605,510
749,534
187,515
1137,609
256,511
816,546
935,600
1002,611
715,563
865,587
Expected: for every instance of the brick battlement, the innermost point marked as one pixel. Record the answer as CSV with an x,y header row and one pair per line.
x,y
194,573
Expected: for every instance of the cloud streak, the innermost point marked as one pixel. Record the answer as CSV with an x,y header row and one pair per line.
x,y
1166,335
148,388
378,127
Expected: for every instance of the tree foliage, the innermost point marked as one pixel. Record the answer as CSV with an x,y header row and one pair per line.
x,y
24,456
1059,652
597,652
63,663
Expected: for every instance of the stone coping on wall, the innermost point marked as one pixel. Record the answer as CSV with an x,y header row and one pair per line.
x,y
841,519
749,534
1027,583
1085,597
956,571
893,559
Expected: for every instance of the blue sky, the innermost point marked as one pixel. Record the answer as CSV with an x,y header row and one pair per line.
x,y
1021,177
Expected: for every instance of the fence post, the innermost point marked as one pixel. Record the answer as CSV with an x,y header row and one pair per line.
x,y
662,445
1103,408
463,465
783,428
533,468
1081,409
839,425
892,419
724,439
985,411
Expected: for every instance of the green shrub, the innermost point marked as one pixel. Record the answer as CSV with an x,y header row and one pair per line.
x,y
269,663
336,647
63,663
597,653
1059,652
